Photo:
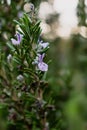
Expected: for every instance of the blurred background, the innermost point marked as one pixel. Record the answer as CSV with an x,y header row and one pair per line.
x,y
64,26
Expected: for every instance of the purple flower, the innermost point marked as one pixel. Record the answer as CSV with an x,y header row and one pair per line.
x,y
41,65
18,40
42,45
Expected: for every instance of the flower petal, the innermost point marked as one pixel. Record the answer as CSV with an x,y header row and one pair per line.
x,y
40,57
44,45
19,39
43,66
15,42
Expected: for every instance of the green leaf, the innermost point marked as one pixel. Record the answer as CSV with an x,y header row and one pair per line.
x,y
27,35
44,76
27,19
17,22
17,60
44,50
10,46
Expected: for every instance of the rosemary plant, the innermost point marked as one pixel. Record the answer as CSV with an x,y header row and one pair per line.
x,y
24,84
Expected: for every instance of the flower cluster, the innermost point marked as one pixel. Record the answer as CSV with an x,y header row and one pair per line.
x,y
40,65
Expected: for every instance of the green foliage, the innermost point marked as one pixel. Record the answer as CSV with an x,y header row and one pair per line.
x,y
22,84
81,13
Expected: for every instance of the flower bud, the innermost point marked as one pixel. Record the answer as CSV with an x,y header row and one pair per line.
x,y
9,58
20,78
28,7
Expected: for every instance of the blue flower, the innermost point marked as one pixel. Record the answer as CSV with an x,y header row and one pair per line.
x,y
18,40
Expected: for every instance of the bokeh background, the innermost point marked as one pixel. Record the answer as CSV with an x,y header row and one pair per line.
x,y
64,26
